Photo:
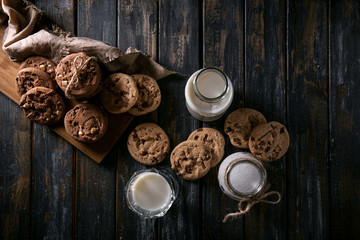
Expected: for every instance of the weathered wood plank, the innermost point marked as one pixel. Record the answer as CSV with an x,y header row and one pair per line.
x,y
138,28
344,119
95,183
52,159
179,47
51,185
97,20
95,197
307,184
15,171
61,12
223,49
265,83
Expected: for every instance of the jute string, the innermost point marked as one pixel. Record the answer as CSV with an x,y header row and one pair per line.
x,y
77,70
248,202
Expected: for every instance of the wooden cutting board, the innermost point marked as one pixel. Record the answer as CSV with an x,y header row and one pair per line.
x,y
97,151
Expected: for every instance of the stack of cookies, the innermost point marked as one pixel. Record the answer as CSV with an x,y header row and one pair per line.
x,y
248,128
193,158
36,85
45,87
137,94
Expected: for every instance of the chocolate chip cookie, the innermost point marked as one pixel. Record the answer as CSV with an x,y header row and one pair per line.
x,y
148,144
42,105
29,78
119,93
86,123
149,95
269,141
79,76
191,159
40,63
213,139
239,124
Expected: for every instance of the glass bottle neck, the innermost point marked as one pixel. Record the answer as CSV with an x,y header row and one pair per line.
x,y
211,85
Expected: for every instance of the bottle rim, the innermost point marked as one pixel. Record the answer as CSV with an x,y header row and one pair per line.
x,y
204,98
144,213
259,188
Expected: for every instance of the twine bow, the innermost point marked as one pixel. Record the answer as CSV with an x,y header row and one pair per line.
x,y
249,202
77,70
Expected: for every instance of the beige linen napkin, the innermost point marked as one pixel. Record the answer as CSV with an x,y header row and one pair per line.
x,y
19,42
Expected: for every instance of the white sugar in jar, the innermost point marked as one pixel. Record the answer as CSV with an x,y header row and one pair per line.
x,y
150,193
208,94
241,175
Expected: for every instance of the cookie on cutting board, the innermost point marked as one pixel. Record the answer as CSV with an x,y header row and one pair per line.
x,y
43,105
28,78
86,123
119,93
149,95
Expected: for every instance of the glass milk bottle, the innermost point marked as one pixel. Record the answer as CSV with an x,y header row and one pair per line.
x,y
208,94
150,193
241,175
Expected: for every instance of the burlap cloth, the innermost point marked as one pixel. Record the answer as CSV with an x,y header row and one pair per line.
x,y
20,41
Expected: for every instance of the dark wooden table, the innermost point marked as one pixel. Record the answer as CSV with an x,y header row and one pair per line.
x,y
298,62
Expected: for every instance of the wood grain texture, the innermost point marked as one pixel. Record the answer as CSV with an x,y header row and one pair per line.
x,y
307,184
62,12
295,61
15,171
137,27
97,20
8,72
95,198
179,46
223,49
265,82
117,124
95,184
344,119
51,208
52,180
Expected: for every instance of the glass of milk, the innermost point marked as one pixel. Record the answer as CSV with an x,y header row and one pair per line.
x,y
241,175
208,94
150,193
